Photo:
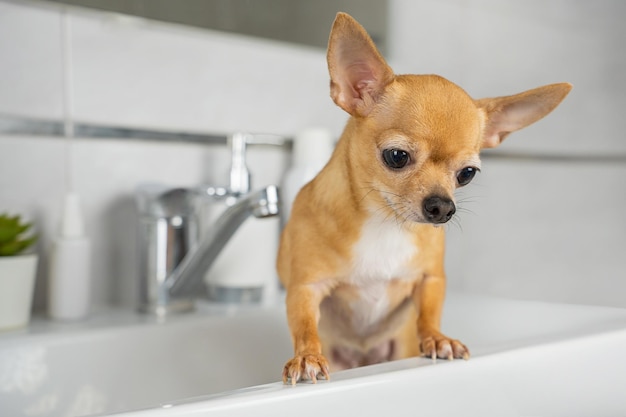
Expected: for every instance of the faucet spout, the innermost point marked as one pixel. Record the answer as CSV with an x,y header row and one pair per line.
x,y
188,275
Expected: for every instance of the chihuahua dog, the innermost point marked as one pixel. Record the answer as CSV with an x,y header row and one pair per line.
x,y
362,256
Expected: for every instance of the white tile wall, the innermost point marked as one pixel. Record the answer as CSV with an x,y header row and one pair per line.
x,y
31,62
138,73
163,76
493,47
543,231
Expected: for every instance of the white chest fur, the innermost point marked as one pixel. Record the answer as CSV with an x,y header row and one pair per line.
x,y
382,253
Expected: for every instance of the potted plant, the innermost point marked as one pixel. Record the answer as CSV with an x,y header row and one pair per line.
x,y
18,268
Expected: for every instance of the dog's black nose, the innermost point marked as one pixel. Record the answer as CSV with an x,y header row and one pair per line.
x,y
438,209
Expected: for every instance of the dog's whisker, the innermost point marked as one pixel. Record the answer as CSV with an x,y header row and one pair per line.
x,y
367,194
455,221
460,208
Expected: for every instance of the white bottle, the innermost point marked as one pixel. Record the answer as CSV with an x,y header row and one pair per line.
x,y
70,266
245,269
312,149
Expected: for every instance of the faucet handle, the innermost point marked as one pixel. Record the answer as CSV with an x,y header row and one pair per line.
x,y
239,174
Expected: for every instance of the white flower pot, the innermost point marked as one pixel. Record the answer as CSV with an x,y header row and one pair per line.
x,y
17,283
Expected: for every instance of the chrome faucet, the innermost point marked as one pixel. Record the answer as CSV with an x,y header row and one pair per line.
x,y
188,275
173,260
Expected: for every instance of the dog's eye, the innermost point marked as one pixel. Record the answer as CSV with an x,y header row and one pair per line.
x,y
466,175
396,158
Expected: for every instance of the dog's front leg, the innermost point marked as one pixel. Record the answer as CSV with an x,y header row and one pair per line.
x,y
303,311
428,297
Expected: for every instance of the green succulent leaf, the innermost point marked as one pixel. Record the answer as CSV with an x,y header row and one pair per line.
x,y
12,240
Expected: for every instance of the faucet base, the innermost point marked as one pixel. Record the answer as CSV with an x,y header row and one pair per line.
x,y
238,295
173,307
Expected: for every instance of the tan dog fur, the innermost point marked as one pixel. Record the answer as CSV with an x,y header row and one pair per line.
x,y
362,264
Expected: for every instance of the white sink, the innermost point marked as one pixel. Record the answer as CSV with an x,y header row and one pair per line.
x,y
528,358
125,361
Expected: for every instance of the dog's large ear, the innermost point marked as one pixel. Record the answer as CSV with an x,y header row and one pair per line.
x,y
511,113
358,73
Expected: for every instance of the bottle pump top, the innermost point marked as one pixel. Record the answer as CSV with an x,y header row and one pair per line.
x,y
72,224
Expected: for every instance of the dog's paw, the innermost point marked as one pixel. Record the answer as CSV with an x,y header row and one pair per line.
x,y
305,367
436,345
